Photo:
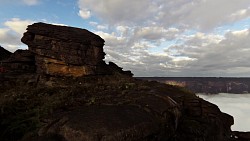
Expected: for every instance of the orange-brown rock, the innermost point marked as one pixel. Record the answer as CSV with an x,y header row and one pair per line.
x,y
64,51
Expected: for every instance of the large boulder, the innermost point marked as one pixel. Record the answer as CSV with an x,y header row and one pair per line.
x,y
64,51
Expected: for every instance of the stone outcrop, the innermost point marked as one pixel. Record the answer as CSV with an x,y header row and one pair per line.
x,y
99,101
65,51
111,109
21,61
4,54
18,68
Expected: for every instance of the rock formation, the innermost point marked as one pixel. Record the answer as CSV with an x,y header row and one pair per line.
x,y
98,102
65,51
21,61
4,54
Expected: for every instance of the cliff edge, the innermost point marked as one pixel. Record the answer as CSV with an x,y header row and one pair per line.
x,y
71,94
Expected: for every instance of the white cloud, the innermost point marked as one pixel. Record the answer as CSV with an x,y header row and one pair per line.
x,y
174,38
240,14
11,33
119,10
102,27
31,2
199,54
155,33
220,56
84,13
17,25
197,14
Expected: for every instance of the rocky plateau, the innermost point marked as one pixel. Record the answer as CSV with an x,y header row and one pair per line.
x,y
61,89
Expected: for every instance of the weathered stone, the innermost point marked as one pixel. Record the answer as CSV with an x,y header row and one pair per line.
x,y
104,123
60,68
21,61
64,51
4,54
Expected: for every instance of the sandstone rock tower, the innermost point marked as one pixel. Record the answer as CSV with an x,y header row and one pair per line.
x,y
64,51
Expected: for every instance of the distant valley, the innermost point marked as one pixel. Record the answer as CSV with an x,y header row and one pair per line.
x,y
208,85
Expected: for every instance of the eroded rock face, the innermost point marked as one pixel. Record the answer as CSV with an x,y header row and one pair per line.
x,y
136,111
18,68
64,51
21,61
4,54
106,123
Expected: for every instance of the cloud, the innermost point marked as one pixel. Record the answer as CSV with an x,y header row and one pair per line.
x,y
196,14
84,13
197,54
155,33
119,10
11,33
31,2
173,38
22,2
217,55
235,105
17,25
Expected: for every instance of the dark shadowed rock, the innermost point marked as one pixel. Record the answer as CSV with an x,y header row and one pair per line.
x,y
106,123
4,54
21,61
18,68
241,136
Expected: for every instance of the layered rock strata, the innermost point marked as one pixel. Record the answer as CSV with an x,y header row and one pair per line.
x,y
21,61
64,51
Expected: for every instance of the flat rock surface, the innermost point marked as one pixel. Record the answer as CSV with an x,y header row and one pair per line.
x,y
94,123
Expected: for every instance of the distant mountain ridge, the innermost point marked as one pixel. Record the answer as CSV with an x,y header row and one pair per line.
x,y
208,85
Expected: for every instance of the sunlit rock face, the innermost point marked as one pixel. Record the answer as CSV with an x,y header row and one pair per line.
x,y
64,51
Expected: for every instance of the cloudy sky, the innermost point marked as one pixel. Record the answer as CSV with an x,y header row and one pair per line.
x,y
149,37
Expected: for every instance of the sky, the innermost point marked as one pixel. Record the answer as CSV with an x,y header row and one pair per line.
x,y
237,105
185,38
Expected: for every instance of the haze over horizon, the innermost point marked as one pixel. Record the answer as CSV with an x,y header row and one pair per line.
x,y
237,105
202,38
